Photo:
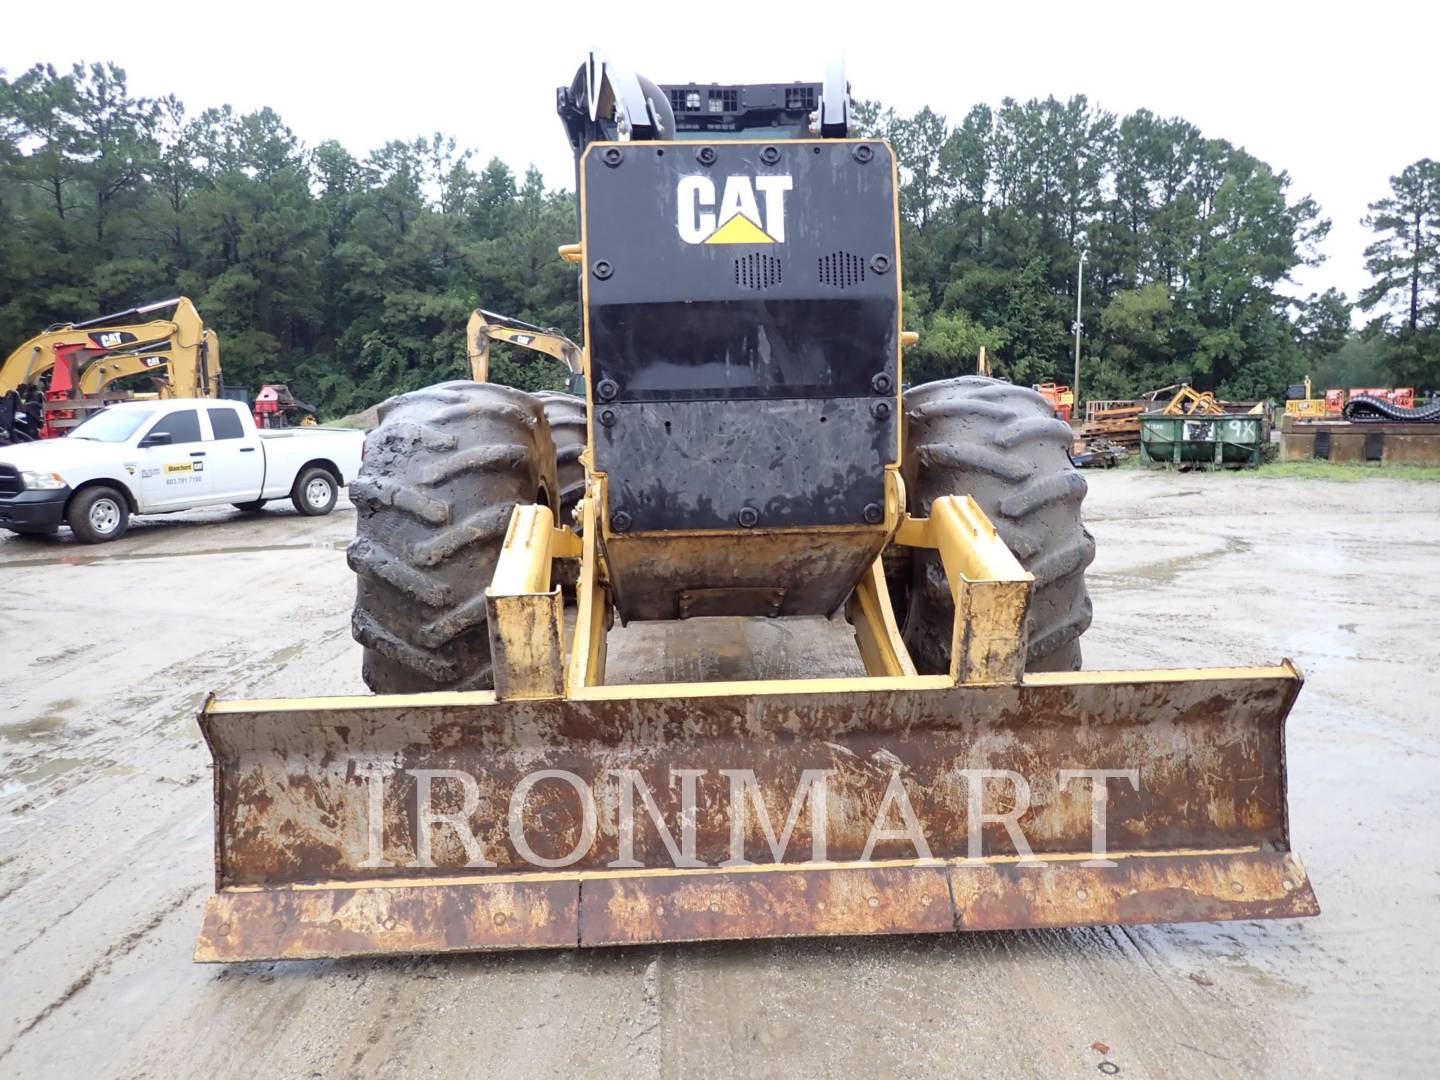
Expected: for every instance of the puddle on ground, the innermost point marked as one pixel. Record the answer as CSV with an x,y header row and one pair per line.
x,y
288,653
64,654
32,729
48,770
1157,574
336,544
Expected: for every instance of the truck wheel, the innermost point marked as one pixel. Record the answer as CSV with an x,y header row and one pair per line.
x,y
251,507
98,514
998,443
566,416
442,473
314,492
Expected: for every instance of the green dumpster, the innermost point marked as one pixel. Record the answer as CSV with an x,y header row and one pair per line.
x,y
1203,441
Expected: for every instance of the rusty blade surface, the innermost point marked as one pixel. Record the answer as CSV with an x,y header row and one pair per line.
x,y
650,906
306,924
318,813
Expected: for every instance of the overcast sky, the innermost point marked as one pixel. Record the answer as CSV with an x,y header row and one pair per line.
x,y
1342,95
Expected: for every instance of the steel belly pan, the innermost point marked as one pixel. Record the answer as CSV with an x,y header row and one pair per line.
x,y
701,464
320,851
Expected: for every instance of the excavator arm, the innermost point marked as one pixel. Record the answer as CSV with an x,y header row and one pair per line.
x,y
486,326
114,346
188,370
79,361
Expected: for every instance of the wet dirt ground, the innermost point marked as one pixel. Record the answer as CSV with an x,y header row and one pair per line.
x,y
105,831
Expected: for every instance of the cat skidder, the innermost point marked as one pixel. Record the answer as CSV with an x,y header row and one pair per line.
x,y
748,451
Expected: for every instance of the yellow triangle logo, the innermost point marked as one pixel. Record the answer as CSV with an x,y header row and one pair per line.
x,y
739,230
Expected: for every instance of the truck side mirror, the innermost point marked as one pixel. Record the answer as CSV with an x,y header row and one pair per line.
x,y
156,438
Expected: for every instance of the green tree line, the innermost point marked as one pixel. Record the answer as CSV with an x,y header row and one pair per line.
x,y
351,277
1190,243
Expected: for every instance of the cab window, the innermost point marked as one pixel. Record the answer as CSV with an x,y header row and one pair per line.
x,y
226,424
182,426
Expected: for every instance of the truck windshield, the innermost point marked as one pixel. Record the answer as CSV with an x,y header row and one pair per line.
x,y
112,425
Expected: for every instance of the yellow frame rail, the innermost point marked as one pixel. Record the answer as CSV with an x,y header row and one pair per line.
x,y
527,628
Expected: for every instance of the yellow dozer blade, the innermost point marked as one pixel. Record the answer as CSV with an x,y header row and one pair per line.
x,y
558,811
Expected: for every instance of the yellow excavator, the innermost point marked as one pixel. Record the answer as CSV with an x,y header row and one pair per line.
x,y
750,452
564,410
69,370
485,327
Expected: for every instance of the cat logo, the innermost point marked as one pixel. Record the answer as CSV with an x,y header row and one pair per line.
x,y
738,220
110,339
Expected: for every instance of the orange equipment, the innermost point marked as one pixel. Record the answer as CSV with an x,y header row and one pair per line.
x,y
1061,399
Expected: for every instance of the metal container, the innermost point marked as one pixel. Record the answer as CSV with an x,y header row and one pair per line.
x,y
1206,441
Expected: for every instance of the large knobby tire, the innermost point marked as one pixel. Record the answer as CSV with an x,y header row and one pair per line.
x,y
1000,444
442,473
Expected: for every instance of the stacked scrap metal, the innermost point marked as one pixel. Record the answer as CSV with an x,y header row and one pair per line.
x,y
1097,453
1117,421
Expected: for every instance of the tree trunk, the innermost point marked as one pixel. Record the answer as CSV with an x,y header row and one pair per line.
x,y
1415,275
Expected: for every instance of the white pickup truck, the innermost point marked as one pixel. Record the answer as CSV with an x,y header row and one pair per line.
x,y
156,457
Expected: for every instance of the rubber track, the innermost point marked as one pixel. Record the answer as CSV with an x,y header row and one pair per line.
x,y
1366,408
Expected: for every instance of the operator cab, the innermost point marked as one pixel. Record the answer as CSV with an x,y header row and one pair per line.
x,y
605,103
767,110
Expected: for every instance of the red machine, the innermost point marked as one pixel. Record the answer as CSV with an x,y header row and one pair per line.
x,y
276,407
62,388
67,402
1335,399
1403,396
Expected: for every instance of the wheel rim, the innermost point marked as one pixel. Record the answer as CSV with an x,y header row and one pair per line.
x,y
317,492
104,515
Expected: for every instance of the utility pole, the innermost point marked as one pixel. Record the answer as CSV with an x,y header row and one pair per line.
x,y
1079,285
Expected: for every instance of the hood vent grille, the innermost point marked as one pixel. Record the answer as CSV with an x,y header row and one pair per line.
x,y
842,270
757,271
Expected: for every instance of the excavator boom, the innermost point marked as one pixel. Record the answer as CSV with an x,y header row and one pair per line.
x,y
75,365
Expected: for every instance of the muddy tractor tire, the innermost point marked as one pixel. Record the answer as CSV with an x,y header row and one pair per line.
x,y
1000,444
442,472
